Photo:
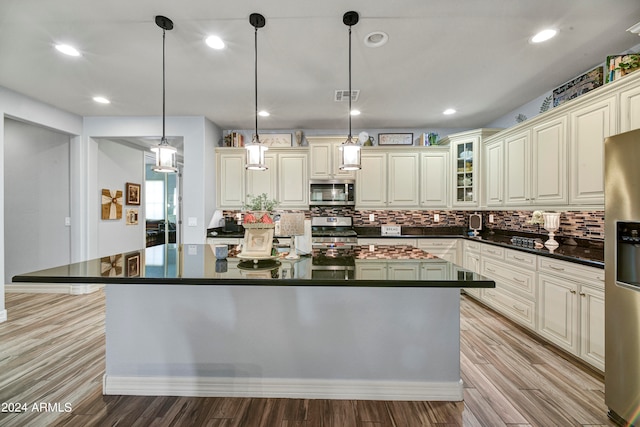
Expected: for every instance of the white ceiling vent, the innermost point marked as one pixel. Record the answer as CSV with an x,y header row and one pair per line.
x,y
343,95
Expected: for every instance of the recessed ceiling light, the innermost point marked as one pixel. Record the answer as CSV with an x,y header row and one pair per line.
x,y
264,113
101,100
355,112
449,111
376,39
67,49
543,36
214,42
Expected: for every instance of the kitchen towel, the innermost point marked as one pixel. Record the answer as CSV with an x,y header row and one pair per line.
x,y
303,243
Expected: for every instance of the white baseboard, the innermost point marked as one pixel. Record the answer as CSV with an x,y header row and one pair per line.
x,y
3,316
283,388
53,288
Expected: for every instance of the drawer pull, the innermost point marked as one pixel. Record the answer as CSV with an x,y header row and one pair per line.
x,y
519,280
521,310
518,258
491,252
600,278
556,268
491,270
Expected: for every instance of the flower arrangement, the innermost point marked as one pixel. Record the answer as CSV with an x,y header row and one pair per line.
x,y
537,218
258,209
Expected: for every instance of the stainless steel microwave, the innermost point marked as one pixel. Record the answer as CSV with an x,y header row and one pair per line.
x,y
332,192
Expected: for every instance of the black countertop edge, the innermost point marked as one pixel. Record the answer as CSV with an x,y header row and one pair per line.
x,y
588,257
261,282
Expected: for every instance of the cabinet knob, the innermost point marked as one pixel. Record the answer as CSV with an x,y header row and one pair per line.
x,y
572,291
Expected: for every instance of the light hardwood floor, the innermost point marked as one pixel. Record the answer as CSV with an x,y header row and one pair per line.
x,y
52,352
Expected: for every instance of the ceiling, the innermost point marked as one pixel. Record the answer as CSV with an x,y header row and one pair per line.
x,y
470,55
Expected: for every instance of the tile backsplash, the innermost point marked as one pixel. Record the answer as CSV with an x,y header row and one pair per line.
x,y
577,224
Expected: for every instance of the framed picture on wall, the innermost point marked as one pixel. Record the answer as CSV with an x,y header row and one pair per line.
x,y
132,216
132,264
111,204
133,193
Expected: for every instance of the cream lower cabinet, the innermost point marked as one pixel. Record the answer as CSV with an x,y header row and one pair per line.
x,y
571,309
562,302
410,270
446,249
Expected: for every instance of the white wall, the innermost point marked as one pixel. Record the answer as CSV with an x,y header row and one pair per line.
x,y
13,104
200,137
117,165
36,198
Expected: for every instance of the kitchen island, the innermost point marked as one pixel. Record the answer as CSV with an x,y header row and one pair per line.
x,y
380,323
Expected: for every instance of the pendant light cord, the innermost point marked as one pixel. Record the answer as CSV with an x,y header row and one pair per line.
x,y
256,78
350,96
164,139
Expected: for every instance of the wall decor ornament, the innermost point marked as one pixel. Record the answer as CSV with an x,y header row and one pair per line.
x,y
132,216
395,139
111,266
133,193
111,204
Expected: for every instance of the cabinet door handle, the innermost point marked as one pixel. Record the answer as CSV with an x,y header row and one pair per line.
x,y
556,268
572,291
522,310
582,294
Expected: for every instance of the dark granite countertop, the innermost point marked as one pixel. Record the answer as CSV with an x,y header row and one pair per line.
x,y
580,251
191,264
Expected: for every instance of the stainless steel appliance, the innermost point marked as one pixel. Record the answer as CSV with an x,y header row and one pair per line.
x,y
333,263
622,276
332,192
332,231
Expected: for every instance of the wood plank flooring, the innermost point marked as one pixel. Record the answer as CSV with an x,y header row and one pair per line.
x,y
52,352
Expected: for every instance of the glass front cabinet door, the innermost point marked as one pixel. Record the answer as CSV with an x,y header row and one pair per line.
x,y
465,153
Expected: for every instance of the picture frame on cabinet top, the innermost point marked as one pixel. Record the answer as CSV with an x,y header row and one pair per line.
x,y
276,139
395,139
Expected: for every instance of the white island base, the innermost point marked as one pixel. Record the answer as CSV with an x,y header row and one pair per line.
x,y
347,342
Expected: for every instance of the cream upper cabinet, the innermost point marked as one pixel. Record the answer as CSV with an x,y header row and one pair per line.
x,y
434,178
404,179
371,180
494,172
630,106
293,181
259,182
230,183
517,148
590,125
324,154
549,140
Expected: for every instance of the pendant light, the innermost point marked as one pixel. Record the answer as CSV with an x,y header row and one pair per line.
x,y
165,153
349,150
256,150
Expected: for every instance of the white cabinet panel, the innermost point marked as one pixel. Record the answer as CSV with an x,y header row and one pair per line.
x,y
293,184
592,326
518,168
434,179
549,141
259,182
558,311
403,179
324,153
590,125
231,183
630,109
371,190
494,188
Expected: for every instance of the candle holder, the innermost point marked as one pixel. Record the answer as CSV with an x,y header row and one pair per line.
x,y
551,224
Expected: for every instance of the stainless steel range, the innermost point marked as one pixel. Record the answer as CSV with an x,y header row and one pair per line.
x,y
332,231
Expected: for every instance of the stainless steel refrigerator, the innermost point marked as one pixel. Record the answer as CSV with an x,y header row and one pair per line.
x,y
622,277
